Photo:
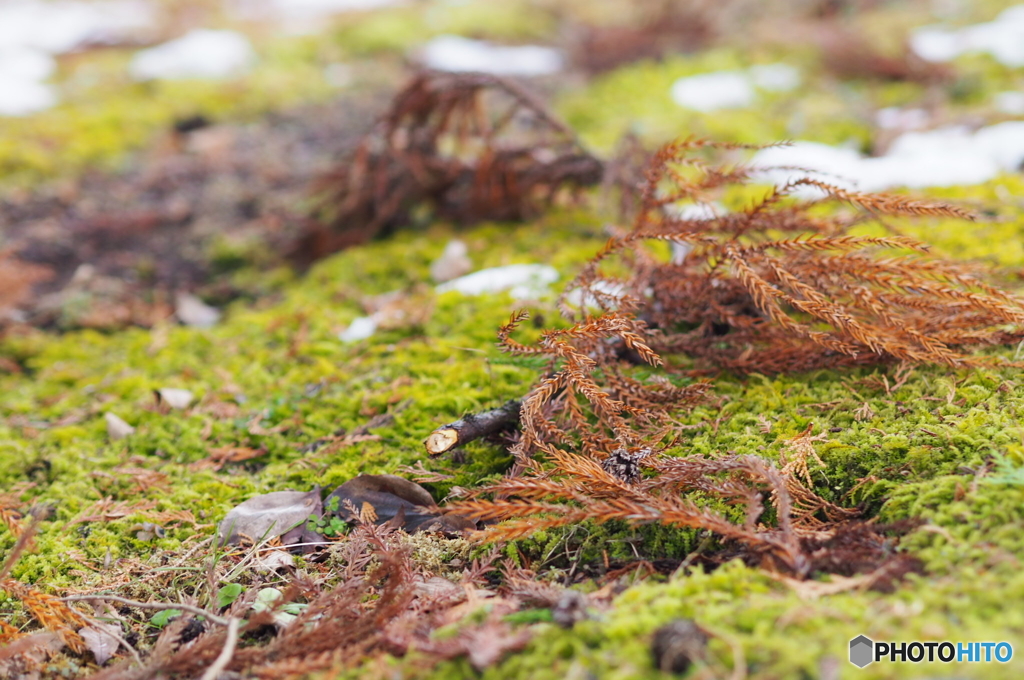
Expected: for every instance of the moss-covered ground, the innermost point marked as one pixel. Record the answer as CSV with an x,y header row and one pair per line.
x,y
944,447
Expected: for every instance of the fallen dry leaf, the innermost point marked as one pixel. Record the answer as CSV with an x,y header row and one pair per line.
x,y
280,513
102,640
192,311
226,454
117,428
174,397
395,500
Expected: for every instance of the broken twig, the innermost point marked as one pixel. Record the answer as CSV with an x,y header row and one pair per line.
x,y
473,426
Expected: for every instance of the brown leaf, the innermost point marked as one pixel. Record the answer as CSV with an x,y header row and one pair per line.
x,y
394,498
279,513
226,454
102,640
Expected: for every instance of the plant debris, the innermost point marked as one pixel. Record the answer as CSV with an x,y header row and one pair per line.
x,y
279,513
678,645
473,426
395,501
771,288
472,147
777,287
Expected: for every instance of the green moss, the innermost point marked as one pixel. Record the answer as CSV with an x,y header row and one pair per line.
x,y
920,451
938,447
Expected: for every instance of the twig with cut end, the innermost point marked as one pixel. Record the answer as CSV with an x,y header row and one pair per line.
x,y
473,426
224,658
192,609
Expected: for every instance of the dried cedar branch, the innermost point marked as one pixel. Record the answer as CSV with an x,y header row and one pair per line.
x,y
471,146
473,426
782,286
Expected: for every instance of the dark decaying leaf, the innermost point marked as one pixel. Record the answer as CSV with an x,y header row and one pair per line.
x,y
281,513
403,503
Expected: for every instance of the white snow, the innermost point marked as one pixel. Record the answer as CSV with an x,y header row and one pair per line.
x,y
455,53
31,31
938,158
1003,38
22,70
895,118
775,77
523,281
732,89
302,15
712,91
26,63
202,53
579,298
360,329
1009,102
57,27
691,211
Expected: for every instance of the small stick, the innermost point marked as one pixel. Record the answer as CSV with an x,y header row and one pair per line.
x,y
152,605
224,658
473,426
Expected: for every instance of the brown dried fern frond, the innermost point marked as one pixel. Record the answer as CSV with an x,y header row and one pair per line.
x,y
784,285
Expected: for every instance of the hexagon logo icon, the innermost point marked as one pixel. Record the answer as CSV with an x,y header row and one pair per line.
x,y
862,651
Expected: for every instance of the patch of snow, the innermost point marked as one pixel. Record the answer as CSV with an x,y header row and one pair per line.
x,y
305,15
696,211
895,118
26,63
1010,102
202,53
58,27
523,281
580,298
22,70
1003,38
1004,143
775,77
709,92
455,53
951,156
360,329
691,211
713,91
20,97
935,43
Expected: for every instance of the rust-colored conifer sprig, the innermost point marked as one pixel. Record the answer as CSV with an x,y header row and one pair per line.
x,y
587,398
469,146
784,285
579,488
